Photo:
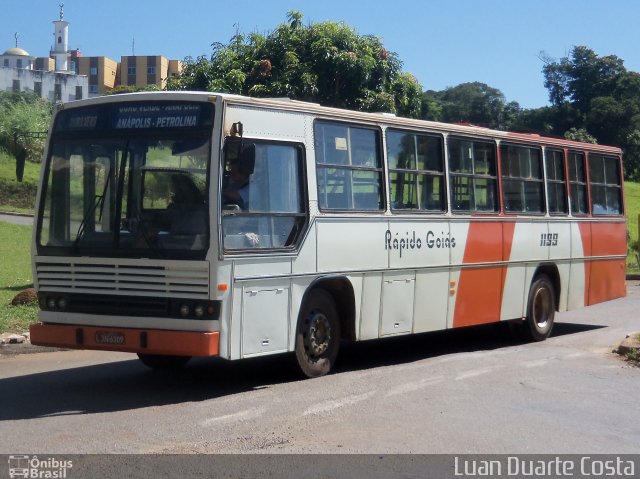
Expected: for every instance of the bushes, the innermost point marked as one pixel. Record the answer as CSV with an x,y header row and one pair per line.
x,y
23,119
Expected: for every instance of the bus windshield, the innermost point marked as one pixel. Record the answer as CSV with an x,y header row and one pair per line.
x,y
128,180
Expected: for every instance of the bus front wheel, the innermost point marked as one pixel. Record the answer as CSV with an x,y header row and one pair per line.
x,y
318,334
163,363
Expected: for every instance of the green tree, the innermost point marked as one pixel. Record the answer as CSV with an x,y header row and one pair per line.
x,y
477,103
579,134
598,96
132,89
328,63
581,77
431,106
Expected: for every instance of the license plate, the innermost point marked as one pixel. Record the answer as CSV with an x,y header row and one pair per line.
x,y
103,337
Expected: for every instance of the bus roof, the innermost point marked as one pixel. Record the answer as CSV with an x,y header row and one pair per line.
x,y
348,115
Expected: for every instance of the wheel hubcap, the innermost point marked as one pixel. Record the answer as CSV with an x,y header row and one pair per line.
x,y
541,307
318,334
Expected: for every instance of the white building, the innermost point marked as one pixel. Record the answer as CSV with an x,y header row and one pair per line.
x,y
17,74
16,58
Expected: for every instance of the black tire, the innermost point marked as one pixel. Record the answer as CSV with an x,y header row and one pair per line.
x,y
541,308
164,363
318,334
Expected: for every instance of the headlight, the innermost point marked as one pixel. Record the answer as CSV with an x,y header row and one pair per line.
x,y
51,303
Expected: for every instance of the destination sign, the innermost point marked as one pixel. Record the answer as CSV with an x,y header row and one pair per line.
x,y
157,116
136,116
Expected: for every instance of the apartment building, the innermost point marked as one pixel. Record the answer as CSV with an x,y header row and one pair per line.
x,y
141,71
101,71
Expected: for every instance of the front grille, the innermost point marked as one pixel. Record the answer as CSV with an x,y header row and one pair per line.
x,y
187,279
129,306
117,305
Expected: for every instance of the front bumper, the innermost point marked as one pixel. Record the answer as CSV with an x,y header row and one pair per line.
x,y
146,341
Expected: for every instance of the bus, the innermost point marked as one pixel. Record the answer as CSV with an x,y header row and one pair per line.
x,y
190,224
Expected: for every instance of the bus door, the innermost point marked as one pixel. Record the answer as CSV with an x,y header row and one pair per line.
x,y
263,218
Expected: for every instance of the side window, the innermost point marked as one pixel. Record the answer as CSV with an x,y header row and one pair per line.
x,y
556,185
605,185
522,187
416,171
472,168
577,184
348,167
262,195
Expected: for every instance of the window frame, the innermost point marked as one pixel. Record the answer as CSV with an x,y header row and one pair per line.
x,y
473,176
522,180
605,184
578,183
304,200
555,181
380,169
442,174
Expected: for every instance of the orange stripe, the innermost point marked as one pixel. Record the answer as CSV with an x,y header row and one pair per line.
x,y
607,280
508,230
173,343
604,279
480,289
608,239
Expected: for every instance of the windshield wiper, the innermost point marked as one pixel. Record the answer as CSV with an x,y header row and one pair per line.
x,y
98,200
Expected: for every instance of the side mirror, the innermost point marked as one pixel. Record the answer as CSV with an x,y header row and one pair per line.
x,y
230,210
248,159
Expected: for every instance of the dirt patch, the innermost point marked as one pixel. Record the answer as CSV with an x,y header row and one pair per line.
x,y
26,296
629,348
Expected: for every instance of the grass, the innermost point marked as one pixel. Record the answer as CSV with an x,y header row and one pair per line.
x,y
632,201
15,275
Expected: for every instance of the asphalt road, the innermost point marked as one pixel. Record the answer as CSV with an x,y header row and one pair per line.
x,y
17,219
466,391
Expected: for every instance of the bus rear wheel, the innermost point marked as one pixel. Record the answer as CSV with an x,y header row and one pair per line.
x,y
318,334
541,308
163,363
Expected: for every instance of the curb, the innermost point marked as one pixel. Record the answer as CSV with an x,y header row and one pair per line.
x,y
15,213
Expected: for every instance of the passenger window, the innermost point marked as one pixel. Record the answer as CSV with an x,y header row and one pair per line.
x,y
556,185
605,185
348,167
472,168
416,171
522,187
577,184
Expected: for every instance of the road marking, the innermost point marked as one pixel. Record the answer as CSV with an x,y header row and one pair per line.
x,y
574,355
538,363
414,386
337,403
253,413
476,372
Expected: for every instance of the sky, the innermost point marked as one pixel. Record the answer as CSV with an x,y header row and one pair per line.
x,y
441,42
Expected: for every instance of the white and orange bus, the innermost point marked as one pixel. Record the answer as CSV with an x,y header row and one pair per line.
x,y
175,225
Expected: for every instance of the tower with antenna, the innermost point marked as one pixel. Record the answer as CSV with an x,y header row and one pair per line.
x,y
60,50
